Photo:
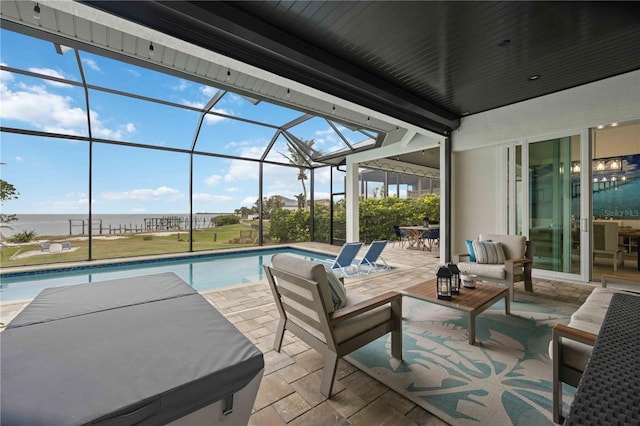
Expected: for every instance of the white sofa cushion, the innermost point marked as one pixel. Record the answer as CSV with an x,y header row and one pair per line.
x,y
588,317
486,270
514,246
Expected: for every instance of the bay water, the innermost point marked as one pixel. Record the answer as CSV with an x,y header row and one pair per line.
x,y
72,224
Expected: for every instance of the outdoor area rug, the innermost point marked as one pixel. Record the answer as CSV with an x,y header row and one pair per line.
x,y
506,378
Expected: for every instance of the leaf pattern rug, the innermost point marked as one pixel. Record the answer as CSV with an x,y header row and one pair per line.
x,y
505,378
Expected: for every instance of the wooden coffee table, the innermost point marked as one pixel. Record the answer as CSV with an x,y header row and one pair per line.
x,y
473,301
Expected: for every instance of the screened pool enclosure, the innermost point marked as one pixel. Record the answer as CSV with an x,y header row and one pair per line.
x,y
92,137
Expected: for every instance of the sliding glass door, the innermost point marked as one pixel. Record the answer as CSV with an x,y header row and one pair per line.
x,y
546,202
554,200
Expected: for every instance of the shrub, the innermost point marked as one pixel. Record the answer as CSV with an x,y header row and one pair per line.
x,y
377,218
227,219
22,237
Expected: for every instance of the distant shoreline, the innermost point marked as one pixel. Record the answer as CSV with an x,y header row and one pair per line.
x,y
60,225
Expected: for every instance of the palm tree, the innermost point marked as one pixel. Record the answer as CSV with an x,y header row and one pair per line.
x,y
299,160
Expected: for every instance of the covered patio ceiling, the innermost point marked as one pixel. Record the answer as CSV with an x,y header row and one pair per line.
x,y
427,63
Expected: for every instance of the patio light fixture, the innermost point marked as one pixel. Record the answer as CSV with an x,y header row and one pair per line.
x,y
455,278
443,283
151,52
36,11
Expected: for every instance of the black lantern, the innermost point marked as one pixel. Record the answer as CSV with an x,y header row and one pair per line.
x,y
443,283
455,278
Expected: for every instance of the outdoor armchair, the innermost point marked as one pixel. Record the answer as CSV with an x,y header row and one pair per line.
x,y
512,264
304,300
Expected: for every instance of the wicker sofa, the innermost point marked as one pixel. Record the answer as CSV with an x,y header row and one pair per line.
x,y
571,345
518,253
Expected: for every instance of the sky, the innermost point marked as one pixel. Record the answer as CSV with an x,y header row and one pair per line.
x,y
51,174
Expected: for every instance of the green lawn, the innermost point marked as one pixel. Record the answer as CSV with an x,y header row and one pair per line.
x,y
134,245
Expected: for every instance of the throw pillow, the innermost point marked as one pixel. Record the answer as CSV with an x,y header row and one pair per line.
x,y
338,292
489,252
470,250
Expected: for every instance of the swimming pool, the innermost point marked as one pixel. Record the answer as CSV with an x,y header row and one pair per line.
x,y
202,272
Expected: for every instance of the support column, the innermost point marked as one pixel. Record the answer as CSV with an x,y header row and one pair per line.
x,y
445,199
352,202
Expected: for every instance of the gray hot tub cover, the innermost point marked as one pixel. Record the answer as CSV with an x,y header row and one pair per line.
x,y
147,349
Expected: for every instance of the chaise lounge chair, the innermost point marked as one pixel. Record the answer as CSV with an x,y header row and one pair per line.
x,y
368,262
344,259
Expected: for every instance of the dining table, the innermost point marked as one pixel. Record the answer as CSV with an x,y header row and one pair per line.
x,y
415,236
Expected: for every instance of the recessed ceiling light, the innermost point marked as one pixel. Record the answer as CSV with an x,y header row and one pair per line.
x,y
614,124
600,126
534,77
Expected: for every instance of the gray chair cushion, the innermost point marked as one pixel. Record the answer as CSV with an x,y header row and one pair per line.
x,y
363,322
308,270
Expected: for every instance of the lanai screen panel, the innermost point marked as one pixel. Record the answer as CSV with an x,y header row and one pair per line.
x,y
232,137
39,104
117,75
37,55
133,120
254,109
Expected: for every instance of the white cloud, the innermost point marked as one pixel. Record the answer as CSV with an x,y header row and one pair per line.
x,y
44,110
145,194
181,86
232,189
138,210
68,206
323,175
232,98
91,64
76,195
18,158
133,72
209,118
51,73
5,76
249,201
213,180
51,112
212,118
129,127
242,170
211,197
208,91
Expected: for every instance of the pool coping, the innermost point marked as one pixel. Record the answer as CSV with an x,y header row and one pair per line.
x,y
24,271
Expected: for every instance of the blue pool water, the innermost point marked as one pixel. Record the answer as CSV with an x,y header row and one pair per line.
x,y
202,272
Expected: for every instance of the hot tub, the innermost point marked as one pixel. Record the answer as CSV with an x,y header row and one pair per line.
x,y
147,350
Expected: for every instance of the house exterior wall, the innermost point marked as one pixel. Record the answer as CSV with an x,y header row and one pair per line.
x,y
479,166
477,195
